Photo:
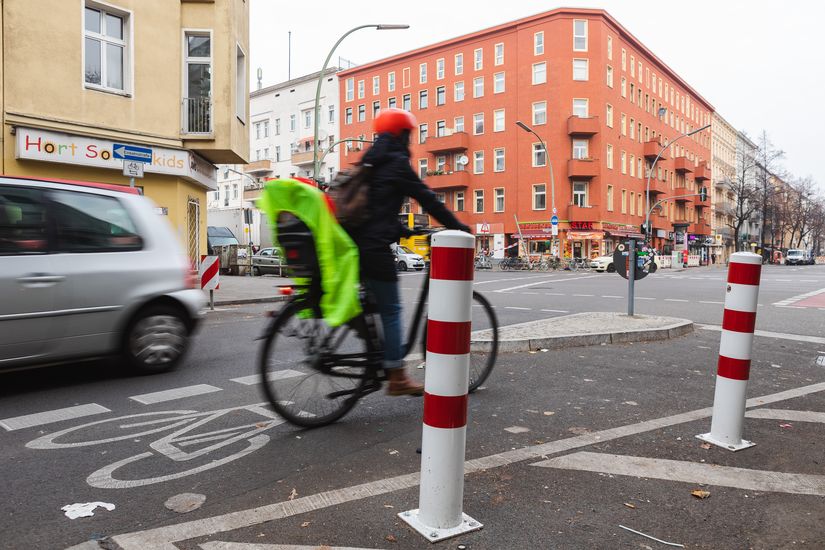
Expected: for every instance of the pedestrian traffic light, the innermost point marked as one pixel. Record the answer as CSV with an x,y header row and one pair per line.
x,y
644,228
703,194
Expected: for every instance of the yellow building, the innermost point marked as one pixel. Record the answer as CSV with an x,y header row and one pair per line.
x,y
165,82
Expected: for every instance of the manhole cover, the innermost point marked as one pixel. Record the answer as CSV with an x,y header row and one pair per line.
x,y
821,361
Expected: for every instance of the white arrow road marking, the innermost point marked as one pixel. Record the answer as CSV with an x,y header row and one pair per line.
x,y
47,417
689,472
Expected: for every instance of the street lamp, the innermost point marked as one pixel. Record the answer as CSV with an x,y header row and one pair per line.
x,y
380,27
526,128
662,111
334,143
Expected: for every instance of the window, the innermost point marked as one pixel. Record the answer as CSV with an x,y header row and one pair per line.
x,y
624,201
440,95
478,59
376,106
459,201
539,155
499,55
362,113
632,203
580,149
580,69
422,168
632,166
23,228
609,76
610,48
376,85
459,162
440,163
459,64
632,65
478,86
498,120
609,156
498,160
624,163
391,103
458,91
347,117
257,130
624,59
422,99
360,89
538,43
406,102
478,162
540,112
580,35
540,197
441,128
640,208
498,83
266,152
609,116
580,193
458,125
624,124
307,116
90,223
278,121
350,89
107,53
624,87
539,73
277,153
478,123
439,69
440,197
422,73
266,128
479,206
422,133
391,82
580,108
610,198
499,202
405,78
234,190
632,129
292,124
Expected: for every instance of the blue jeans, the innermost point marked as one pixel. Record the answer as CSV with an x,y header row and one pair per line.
x,y
389,307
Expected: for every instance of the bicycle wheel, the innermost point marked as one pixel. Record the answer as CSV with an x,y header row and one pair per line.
x,y
482,354
309,370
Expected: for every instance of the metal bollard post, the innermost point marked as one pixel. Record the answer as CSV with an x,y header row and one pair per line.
x,y
735,346
449,313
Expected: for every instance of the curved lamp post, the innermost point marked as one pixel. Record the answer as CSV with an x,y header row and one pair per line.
x,y
653,167
526,128
381,27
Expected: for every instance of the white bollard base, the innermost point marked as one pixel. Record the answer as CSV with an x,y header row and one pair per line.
x,y
743,443
432,534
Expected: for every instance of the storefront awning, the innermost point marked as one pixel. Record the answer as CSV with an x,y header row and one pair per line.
x,y
626,234
535,235
585,235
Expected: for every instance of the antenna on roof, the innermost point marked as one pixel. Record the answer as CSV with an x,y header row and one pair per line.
x,y
260,77
289,58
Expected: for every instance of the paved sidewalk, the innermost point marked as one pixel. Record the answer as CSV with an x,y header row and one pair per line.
x,y
249,290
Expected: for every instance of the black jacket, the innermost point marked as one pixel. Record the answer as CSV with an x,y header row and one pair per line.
x,y
393,179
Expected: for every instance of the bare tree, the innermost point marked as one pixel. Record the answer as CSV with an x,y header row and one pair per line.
x,y
745,188
768,158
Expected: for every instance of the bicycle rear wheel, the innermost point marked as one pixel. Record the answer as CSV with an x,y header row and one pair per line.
x,y
312,374
482,354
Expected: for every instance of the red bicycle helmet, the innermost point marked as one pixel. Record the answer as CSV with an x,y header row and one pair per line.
x,y
393,121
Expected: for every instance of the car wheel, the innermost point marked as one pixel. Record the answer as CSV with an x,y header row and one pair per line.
x,y
156,339
611,268
653,268
256,271
402,266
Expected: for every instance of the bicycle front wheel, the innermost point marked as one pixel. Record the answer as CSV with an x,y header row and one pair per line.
x,y
483,354
310,371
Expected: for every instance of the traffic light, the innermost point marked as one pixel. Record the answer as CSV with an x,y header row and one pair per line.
x,y
703,194
644,229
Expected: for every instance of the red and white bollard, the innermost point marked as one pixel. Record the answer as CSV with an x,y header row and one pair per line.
x,y
439,515
733,369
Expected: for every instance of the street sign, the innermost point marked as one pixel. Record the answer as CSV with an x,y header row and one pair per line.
x,y
132,152
554,211
555,229
643,266
132,169
554,220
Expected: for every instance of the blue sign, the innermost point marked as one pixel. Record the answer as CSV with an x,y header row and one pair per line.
x,y
554,220
131,152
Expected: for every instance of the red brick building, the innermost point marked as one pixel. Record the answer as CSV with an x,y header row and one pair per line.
x,y
600,100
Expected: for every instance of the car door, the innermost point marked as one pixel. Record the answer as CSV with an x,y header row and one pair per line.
x,y
265,260
28,283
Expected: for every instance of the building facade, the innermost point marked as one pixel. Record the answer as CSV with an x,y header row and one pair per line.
x,y
86,81
724,137
603,104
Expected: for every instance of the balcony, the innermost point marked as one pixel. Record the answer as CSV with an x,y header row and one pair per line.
x,y
582,126
701,203
259,168
583,168
683,194
699,228
452,180
702,172
583,213
680,219
652,149
196,113
455,142
683,164
301,158
658,187
660,222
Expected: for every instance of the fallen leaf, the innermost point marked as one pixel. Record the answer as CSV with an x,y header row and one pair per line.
x,y
391,538
549,413
629,505
705,446
786,425
699,493
393,452
306,524
578,430
293,494
262,424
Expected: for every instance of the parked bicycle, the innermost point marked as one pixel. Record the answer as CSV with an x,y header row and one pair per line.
x,y
312,373
482,261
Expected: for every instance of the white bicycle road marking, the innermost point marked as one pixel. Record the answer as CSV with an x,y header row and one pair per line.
x,y
174,393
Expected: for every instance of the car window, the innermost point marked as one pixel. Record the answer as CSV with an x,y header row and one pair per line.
x,y
404,249
22,221
85,222
266,252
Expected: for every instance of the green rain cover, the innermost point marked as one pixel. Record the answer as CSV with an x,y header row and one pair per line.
x,y
337,253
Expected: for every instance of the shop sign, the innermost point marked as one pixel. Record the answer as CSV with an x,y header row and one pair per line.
x,y
489,228
680,237
581,225
49,146
661,233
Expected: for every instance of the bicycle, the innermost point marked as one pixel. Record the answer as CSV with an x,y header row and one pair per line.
x,y
321,375
483,262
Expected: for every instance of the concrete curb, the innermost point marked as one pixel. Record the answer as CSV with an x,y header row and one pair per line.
x,y
241,301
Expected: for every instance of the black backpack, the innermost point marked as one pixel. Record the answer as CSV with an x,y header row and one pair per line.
x,y
349,191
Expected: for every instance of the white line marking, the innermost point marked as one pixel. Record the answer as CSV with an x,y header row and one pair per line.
x,y
612,296
674,300
643,298
519,308
689,472
47,417
799,297
584,295
176,393
556,310
793,416
768,334
162,537
711,302
221,545
554,294
273,375
545,281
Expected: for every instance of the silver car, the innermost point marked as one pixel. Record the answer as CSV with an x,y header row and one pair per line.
x,y
267,260
90,270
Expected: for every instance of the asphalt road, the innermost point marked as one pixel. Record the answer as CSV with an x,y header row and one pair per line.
x,y
200,430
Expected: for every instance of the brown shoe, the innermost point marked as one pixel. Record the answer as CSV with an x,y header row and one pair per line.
x,y
400,384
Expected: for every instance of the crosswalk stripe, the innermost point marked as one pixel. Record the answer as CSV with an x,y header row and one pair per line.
x,y
47,417
273,375
175,393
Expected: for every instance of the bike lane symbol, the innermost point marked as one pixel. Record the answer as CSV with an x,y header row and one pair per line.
x,y
172,446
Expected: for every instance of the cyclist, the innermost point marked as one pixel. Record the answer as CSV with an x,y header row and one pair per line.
x,y
392,181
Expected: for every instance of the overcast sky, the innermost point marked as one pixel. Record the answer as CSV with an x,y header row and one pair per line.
x,y
760,64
